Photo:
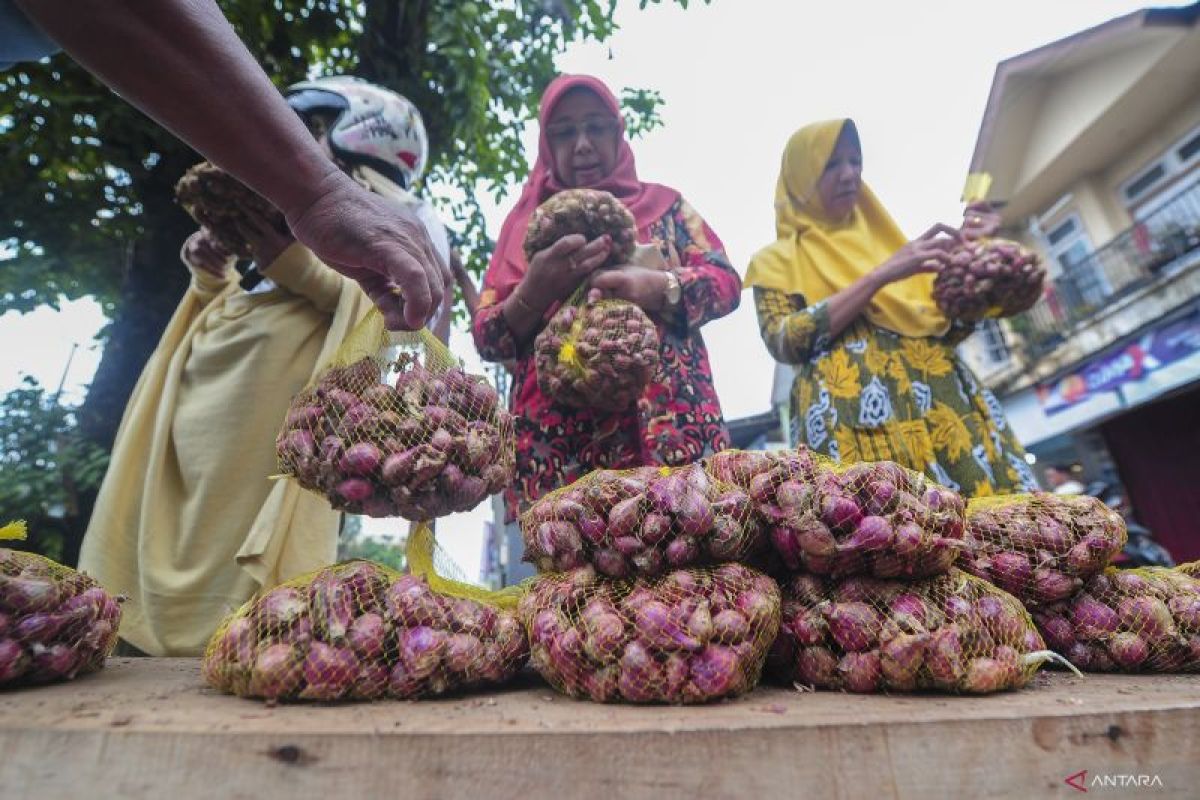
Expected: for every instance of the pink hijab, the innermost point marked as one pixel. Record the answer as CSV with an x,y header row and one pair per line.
x,y
647,201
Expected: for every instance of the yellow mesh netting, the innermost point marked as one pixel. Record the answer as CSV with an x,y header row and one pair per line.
x,y
394,426
953,633
55,623
988,278
641,521
1131,620
1191,569
686,637
844,519
358,630
1040,547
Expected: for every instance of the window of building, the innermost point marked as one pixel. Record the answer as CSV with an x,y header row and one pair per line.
x,y
1150,187
995,344
1144,182
1060,233
1190,149
1072,250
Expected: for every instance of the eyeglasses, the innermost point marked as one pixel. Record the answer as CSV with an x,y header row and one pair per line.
x,y
594,129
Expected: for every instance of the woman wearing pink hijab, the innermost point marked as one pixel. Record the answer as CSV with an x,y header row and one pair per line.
x,y
678,418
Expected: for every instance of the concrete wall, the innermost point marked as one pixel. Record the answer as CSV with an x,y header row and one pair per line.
x,y
1073,102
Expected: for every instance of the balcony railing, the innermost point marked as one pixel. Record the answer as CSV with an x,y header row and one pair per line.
x,y
1134,259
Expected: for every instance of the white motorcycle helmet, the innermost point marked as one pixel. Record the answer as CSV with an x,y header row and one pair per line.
x,y
372,126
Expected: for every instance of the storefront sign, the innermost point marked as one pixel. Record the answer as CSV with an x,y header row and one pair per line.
x,y
1132,362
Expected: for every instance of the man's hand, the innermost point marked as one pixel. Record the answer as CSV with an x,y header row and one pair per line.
x,y
181,62
382,246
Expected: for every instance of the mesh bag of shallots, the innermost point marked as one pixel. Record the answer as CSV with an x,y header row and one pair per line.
x,y
877,518
220,202
1040,547
951,633
394,426
690,636
55,623
1191,569
593,353
988,278
360,631
1128,620
641,521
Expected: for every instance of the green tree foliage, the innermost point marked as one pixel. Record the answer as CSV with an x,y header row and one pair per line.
x,y
88,181
86,175
45,469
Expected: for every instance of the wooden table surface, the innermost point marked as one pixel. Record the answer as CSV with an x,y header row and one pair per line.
x,y
150,728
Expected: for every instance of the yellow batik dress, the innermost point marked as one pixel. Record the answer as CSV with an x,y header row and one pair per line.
x,y
872,394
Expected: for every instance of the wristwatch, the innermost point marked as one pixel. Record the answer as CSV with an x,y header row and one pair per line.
x,y
674,291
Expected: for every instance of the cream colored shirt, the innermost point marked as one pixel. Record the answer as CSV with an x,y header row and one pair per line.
x,y
188,523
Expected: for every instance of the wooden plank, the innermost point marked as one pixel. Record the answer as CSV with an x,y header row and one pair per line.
x,y
148,728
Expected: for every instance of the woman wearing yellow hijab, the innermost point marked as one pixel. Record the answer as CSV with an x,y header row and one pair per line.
x,y
846,298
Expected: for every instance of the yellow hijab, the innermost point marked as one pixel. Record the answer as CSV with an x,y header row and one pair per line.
x,y
817,257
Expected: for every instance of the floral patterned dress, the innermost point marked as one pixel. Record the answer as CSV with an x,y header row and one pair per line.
x,y
873,395
678,418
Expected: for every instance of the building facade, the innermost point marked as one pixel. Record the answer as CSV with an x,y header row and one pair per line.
x,y
1093,146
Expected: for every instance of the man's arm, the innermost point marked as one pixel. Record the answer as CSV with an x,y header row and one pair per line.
x,y
181,63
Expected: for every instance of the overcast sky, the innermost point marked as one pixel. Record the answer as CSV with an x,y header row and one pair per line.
x,y
738,78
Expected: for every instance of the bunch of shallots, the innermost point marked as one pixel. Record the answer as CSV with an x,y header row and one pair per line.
x,y
598,355
359,631
988,278
872,517
1137,620
687,637
1040,547
641,522
55,623
952,633
432,444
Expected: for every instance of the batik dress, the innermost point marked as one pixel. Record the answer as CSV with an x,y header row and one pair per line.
x,y
677,419
871,395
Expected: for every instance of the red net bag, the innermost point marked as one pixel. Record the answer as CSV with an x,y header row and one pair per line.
x,y
361,631
55,623
877,518
641,521
1128,620
1040,547
690,636
393,426
219,202
952,633
988,278
593,353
